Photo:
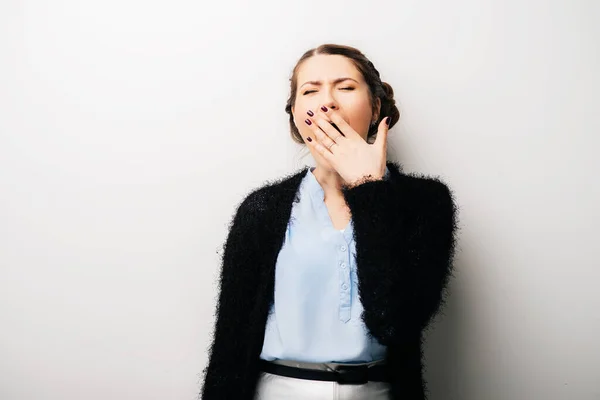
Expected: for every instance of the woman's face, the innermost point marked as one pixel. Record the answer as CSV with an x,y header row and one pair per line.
x,y
319,84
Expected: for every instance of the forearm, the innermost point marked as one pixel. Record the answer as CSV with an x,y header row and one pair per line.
x,y
404,250
224,373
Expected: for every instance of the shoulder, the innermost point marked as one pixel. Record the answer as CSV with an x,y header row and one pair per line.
x,y
418,188
271,192
428,195
428,189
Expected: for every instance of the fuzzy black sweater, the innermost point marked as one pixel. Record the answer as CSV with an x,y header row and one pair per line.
x,y
404,231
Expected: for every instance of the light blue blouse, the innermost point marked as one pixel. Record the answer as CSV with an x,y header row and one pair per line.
x,y
316,312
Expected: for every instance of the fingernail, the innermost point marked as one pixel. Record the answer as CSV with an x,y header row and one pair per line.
x,y
310,113
309,139
324,108
308,122
387,121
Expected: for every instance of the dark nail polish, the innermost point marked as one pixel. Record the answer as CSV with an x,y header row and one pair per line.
x,y
309,139
387,121
310,113
308,121
324,108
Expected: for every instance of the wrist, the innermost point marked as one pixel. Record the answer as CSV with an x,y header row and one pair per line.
x,y
365,178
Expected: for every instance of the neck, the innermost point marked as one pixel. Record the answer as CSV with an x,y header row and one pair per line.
x,y
330,181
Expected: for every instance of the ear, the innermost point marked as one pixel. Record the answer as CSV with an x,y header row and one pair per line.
x,y
377,110
294,116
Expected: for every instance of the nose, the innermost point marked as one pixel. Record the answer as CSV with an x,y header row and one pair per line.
x,y
328,100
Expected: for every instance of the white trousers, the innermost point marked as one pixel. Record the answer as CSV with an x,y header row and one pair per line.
x,y
277,387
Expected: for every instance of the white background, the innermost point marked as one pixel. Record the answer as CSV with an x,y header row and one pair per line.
x,y
130,130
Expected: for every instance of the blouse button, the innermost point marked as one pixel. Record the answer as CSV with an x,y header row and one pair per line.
x,y
344,286
343,248
343,265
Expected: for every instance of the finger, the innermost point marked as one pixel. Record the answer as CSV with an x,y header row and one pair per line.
x,y
318,132
341,123
332,134
382,133
324,151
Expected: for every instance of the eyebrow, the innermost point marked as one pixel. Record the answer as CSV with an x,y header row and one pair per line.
x,y
338,80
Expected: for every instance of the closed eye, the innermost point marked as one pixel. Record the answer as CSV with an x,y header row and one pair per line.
x,y
311,91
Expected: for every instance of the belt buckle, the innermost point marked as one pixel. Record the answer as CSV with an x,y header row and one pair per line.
x,y
352,375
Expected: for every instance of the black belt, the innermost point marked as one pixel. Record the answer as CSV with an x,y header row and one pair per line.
x,y
345,374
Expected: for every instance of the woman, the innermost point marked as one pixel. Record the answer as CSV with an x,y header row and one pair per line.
x,y
331,274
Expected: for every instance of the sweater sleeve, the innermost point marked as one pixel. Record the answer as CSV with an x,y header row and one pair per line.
x,y
405,246
223,376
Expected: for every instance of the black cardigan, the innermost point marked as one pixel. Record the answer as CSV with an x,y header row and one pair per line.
x,y
404,231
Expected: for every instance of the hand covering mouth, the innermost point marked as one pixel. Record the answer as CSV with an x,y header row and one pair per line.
x,y
338,129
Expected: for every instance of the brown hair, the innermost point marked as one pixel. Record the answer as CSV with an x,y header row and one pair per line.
x,y
377,88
